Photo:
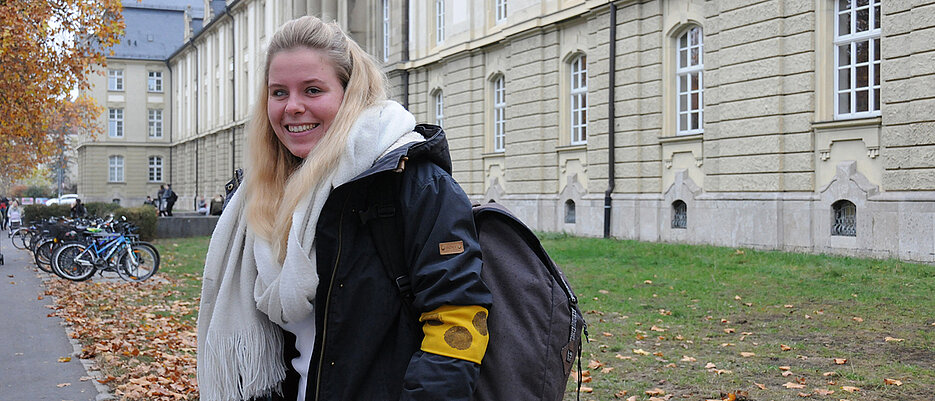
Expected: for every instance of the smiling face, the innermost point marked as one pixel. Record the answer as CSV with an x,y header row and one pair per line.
x,y
304,94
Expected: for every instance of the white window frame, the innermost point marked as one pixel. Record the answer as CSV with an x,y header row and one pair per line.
x,y
155,169
847,89
115,79
155,123
499,114
439,21
500,6
689,82
115,169
439,99
579,100
386,30
115,120
154,81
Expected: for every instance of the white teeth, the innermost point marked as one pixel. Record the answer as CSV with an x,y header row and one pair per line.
x,y
300,128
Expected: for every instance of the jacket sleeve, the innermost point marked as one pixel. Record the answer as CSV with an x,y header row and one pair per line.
x,y
450,298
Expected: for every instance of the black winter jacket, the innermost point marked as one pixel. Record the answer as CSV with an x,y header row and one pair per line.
x,y
368,338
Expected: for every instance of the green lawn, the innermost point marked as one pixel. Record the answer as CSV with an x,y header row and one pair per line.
x,y
700,322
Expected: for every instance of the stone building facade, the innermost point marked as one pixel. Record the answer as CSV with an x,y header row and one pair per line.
x,y
802,125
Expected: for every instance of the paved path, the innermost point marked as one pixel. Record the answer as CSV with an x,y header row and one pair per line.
x,y
31,343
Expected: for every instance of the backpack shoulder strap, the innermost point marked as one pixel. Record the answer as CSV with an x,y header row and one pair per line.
x,y
384,218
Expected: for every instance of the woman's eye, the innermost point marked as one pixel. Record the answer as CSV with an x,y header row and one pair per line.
x,y
313,90
277,92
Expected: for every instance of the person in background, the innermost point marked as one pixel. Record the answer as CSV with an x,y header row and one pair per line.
x,y
293,280
169,197
148,201
160,201
78,210
3,209
202,207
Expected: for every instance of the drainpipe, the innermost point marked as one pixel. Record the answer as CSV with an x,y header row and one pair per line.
x,y
197,108
405,56
233,94
611,131
171,118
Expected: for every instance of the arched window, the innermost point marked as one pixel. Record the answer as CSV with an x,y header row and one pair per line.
x,y
844,218
499,114
439,100
679,214
579,100
569,212
690,82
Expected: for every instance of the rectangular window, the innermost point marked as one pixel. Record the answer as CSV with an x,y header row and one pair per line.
x,y
439,21
386,30
155,169
115,119
154,84
579,101
499,115
501,11
115,169
115,80
439,109
155,123
857,58
690,82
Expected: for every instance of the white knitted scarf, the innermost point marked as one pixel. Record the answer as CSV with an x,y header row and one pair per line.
x,y
245,292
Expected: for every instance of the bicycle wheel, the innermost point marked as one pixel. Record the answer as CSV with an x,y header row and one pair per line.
x,y
20,238
69,263
141,266
43,255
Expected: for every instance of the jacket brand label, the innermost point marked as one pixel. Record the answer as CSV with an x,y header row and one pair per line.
x,y
451,248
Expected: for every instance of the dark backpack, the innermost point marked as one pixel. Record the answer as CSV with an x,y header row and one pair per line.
x,y
535,324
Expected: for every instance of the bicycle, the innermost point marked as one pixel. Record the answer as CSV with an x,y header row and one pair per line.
x,y
133,260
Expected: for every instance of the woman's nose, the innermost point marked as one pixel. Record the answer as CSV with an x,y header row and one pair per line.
x,y
294,105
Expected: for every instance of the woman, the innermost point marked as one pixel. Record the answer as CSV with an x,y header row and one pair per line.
x,y
296,301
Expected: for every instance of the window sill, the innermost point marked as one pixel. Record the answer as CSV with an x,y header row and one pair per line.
x,y
493,155
682,138
117,182
848,123
569,148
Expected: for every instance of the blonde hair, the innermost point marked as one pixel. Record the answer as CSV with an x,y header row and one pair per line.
x,y
277,180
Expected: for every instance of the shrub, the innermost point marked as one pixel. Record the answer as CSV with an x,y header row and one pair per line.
x,y
143,217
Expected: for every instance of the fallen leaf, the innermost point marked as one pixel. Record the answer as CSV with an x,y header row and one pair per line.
x,y
64,359
850,389
618,356
857,319
595,364
603,291
840,361
60,385
747,354
787,373
648,282
785,368
656,391
620,394
640,351
788,306
761,386
805,395
892,382
631,398
793,385
587,389
821,391
891,339
828,374
737,297
654,328
710,365
85,378
606,334
606,370
729,330
686,358
784,347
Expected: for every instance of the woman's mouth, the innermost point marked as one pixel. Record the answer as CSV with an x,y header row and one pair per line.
x,y
300,128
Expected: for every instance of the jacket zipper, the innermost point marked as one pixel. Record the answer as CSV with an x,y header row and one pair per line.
x,y
334,271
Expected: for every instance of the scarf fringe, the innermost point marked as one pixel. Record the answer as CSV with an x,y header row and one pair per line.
x,y
242,365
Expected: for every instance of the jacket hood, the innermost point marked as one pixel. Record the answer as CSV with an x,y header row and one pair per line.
x,y
434,149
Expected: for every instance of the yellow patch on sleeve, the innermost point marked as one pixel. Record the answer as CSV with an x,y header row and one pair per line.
x,y
456,331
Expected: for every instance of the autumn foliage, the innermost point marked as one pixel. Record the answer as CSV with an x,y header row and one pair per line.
x,y
48,48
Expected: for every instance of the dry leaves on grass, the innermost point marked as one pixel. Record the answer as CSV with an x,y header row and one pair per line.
x,y
143,341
